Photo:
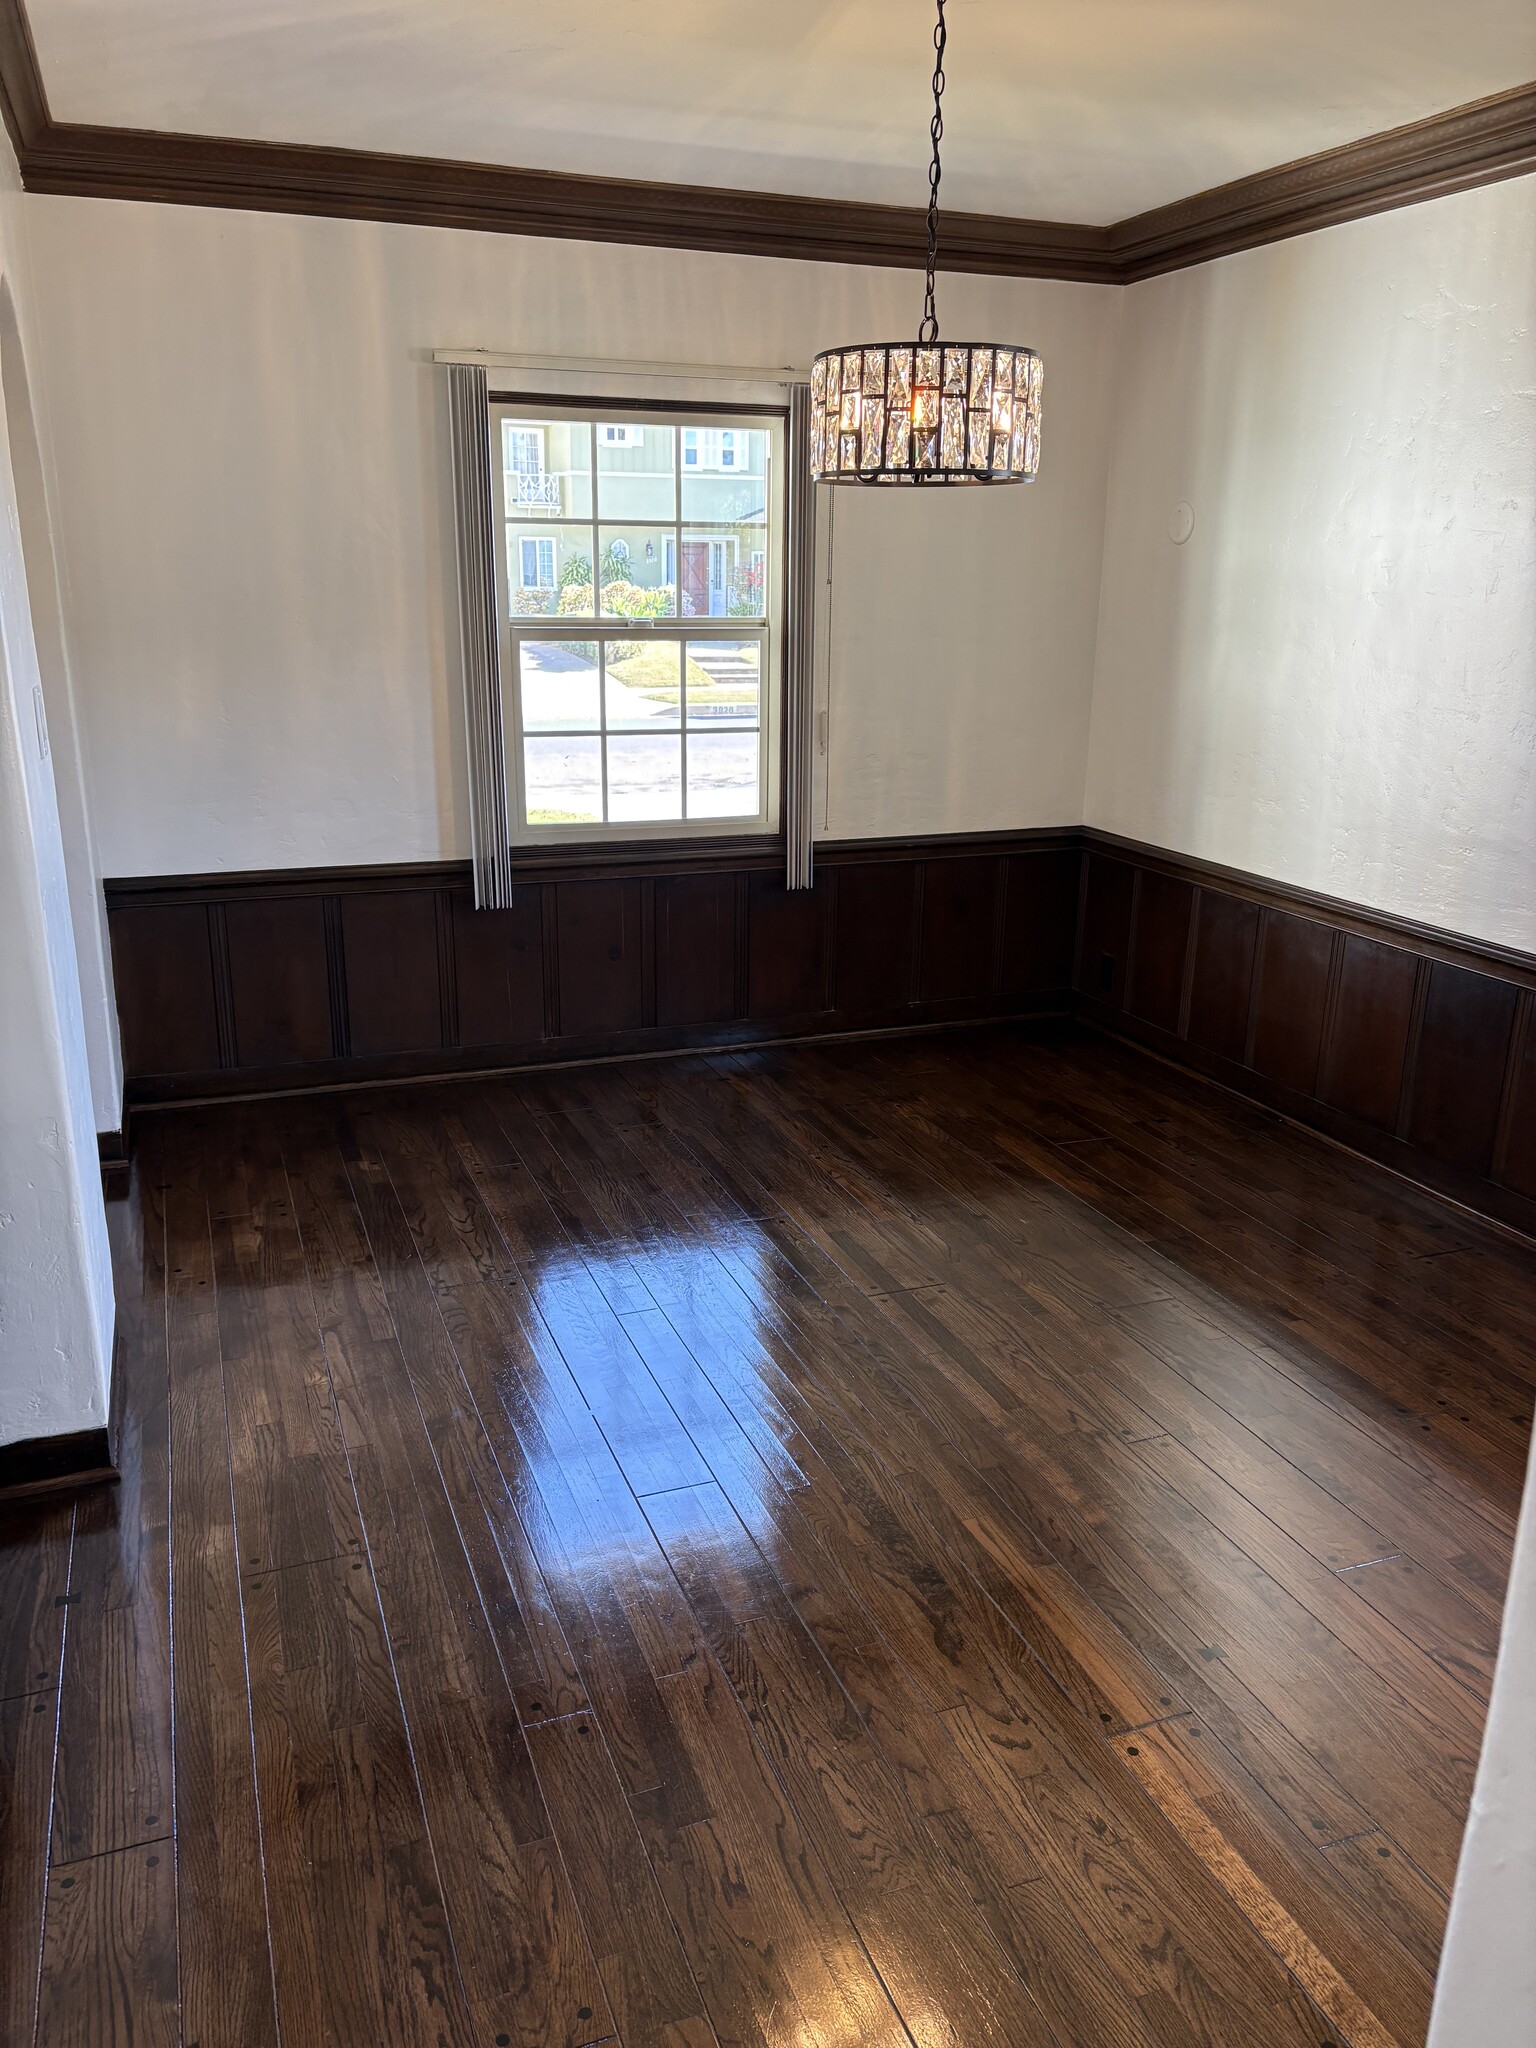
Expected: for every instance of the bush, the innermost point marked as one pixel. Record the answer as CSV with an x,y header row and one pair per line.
x,y
637,600
575,570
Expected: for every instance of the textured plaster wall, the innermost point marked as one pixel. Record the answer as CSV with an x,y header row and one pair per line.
x,y
56,1308
255,529
1333,680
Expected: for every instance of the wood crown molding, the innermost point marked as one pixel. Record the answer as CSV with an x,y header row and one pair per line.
x,y
1471,145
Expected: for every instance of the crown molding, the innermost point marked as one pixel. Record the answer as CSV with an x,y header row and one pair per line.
x,y
1477,144
1471,145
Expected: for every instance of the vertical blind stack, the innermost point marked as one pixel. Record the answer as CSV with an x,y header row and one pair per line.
x,y
799,646
479,632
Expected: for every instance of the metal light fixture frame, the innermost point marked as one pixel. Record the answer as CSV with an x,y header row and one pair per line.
x,y
926,412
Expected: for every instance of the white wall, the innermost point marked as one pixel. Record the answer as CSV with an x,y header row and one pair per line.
x,y
253,525
1334,681
1485,1994
56,1310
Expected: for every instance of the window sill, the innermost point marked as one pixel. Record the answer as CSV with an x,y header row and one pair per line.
x,y
605,859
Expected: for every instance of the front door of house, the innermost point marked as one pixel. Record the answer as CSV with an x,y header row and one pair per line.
x,y
695,592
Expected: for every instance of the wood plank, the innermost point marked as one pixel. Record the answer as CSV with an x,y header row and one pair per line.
x,y
109,1952
293,1493
113,1784
34,1585
521,1954
27,1729
360,1944
650,1988
221,1905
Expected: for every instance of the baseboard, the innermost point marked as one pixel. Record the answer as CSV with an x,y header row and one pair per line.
x,y
52,1464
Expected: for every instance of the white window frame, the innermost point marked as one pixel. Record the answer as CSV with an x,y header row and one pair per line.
x,y
516,630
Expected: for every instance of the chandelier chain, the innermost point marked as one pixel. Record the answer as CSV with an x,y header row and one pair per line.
x,y
928,331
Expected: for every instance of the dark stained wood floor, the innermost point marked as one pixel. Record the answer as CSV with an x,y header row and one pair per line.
x,y
958,1540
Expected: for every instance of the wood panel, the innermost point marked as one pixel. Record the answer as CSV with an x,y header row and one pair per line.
x,y
876,936
1368,1042
162,967
1291,1000
961,900
787,948
1458,1081
1040,921
1226,946
1159,949
602,986
1518,1144
498,958
279,980
390,948
696,949
1105,940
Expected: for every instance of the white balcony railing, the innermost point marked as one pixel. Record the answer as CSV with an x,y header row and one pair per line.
x,y
542,492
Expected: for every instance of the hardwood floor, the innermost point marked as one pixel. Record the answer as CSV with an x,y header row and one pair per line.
x,y
957,1540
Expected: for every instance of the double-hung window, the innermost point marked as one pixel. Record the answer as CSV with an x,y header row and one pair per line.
x,y
640,578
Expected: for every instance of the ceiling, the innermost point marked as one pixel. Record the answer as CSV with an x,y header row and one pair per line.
x,y
1076,110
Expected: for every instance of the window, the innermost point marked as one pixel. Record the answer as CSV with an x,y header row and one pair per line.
x,y
714,448
640,622
536,564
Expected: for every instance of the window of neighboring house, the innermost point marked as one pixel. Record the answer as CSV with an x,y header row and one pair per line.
x,y
714,448
536,563
641,623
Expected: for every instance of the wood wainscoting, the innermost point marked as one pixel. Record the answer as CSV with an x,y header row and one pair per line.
x,y
233,983
1411,1045
1408,1044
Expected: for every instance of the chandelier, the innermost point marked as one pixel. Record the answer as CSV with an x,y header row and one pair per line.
x,y
957,412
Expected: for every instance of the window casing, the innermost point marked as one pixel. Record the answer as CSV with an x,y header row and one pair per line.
x,y
641,604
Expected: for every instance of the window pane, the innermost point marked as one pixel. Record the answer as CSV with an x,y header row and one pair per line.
x,y
549,570
633,563
563,781
546,467
724,571
643,681
725,473
636,471
559,682
724,682
645,779
722,775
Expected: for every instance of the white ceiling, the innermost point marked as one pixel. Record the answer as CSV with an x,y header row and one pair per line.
x,y
1081,110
